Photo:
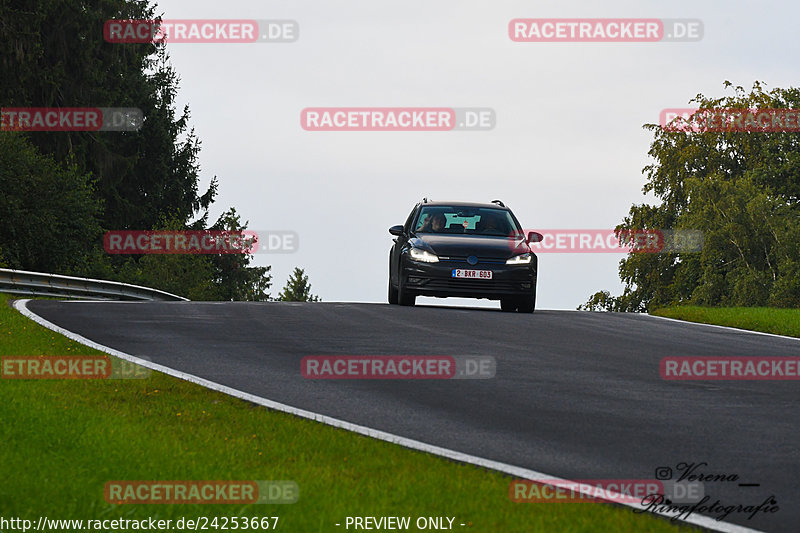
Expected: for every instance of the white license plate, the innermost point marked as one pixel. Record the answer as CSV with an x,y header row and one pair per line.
x,y
472,274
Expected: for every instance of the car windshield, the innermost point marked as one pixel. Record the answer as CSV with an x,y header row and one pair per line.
x,y
466,221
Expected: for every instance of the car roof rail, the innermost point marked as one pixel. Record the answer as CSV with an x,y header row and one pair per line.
x,y
498,202
425,200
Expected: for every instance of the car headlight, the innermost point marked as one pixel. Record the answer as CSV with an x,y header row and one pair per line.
x,y
522,259
418,254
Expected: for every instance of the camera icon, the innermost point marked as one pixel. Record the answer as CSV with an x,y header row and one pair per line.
x,y
663,473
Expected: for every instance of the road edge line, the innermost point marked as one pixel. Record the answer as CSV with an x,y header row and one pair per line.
x,y
723,327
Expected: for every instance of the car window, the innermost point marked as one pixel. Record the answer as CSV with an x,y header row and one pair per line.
x,y
466,221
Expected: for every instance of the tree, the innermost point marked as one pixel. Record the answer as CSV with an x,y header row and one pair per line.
x,y
55,55
201,276
297,289
600,301
47,211
742,190
235,279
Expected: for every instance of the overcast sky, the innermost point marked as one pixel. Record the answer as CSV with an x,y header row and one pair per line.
x,y
567,150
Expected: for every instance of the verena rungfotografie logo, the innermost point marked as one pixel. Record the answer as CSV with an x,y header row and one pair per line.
x,y
729,120
200,242
693,476
397,118
201,31
70,367
609,30
398,367
71,119
201,492
611,241
730,368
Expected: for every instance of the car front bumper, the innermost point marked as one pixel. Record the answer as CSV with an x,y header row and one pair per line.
x,y
436,279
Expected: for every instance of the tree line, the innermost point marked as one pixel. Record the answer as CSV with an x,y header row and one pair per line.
x,y
60,191
742,190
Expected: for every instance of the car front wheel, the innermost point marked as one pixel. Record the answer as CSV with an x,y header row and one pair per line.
x,y
404,296
527,304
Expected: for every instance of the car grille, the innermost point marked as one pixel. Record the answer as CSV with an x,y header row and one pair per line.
x,y
481,260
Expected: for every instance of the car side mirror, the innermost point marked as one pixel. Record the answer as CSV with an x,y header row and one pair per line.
x,y
534,237
396,230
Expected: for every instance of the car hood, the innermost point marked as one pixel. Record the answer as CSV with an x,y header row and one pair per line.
x,y
466,245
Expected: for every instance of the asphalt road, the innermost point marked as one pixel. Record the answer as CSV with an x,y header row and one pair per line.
x,y
576,395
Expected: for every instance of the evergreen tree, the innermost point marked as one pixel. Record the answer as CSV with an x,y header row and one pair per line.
x,y
297,289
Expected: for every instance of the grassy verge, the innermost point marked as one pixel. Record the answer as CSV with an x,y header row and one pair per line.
x,y
62,440
765,319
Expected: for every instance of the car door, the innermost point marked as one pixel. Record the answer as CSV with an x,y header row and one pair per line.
x,y
397,248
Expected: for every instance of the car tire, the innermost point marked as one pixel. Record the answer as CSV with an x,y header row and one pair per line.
x,y
508,305
404,296
392,293
527,304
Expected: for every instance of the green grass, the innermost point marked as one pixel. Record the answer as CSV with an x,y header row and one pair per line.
x,y
765,319
62,440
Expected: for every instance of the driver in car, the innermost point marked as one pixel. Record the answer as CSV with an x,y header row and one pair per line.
x,y
492,225
433,224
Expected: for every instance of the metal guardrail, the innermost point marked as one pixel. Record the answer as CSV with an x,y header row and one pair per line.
x,y
42,284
